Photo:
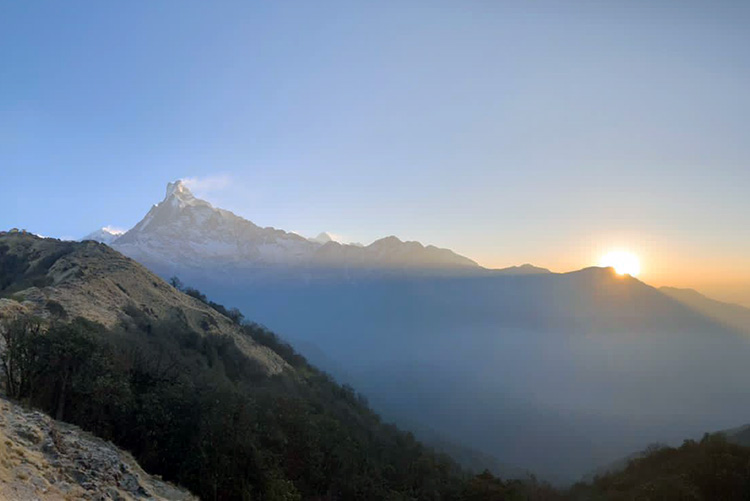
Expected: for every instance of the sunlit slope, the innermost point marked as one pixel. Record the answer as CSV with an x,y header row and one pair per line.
x,y
50,278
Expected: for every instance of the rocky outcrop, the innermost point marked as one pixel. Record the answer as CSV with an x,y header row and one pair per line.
x,y
42,459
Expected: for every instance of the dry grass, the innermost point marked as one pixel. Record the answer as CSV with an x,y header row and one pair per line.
x,y
6,463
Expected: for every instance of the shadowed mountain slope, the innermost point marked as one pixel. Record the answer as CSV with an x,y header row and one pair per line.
x,y
587,365
731,315
524,269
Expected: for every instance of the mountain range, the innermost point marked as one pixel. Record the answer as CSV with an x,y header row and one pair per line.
x,y
587,365
184,232
732,315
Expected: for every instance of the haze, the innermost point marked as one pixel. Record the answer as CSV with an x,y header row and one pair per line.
x,y
340,250
546,133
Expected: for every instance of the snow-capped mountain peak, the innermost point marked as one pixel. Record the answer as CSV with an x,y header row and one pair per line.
x,y
183,231
105,235
323,238
178,188
178,193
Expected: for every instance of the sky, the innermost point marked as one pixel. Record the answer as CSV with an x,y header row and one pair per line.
x,y
511,132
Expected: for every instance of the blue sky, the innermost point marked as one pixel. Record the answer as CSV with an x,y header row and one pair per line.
x,y
509,131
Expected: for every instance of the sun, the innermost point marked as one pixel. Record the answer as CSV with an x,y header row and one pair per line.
x,y
624,263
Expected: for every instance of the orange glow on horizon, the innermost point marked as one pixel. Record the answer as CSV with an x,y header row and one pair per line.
x,y
623,262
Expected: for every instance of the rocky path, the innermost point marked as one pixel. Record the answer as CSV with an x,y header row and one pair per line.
x,y
42,459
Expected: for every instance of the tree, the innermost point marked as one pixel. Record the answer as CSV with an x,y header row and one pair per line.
x,y
176,283
19,355
67,351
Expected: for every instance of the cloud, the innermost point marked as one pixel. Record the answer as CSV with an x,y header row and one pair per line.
x,y
337,238
321,237
208,184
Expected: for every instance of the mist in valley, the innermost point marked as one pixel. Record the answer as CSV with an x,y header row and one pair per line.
x,y
556,374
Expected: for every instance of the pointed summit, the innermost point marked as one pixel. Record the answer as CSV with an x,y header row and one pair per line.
x,y
180,192
173,215
178,189
183,231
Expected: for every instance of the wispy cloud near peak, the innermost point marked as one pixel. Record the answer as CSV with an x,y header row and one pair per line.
x,y
208,184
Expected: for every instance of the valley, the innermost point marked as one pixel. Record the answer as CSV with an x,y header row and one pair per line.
x,y
587,365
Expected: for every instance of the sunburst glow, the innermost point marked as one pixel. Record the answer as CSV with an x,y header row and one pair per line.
x,y
624,263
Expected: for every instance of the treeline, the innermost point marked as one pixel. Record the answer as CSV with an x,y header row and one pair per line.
x,y
709,469
197,411
234,314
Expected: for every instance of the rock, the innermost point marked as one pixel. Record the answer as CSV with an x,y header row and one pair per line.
x,y
41,459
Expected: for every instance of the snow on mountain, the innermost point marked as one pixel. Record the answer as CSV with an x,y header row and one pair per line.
x,y
105,235
323,238
183,231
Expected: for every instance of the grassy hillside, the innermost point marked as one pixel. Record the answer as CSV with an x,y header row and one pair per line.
x,y
61,280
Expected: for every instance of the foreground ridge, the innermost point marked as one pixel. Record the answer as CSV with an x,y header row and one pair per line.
x,y
43,459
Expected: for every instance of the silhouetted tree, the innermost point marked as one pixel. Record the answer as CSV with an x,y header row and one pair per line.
x,y
176,283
